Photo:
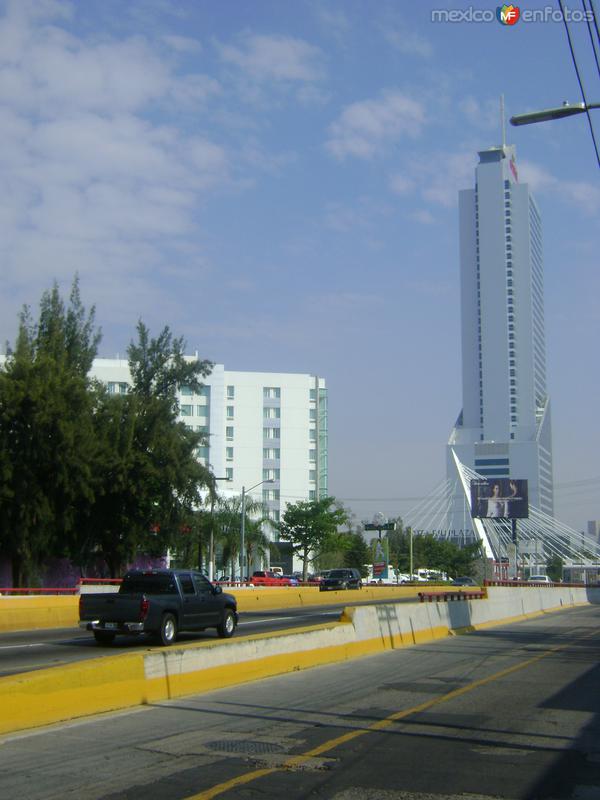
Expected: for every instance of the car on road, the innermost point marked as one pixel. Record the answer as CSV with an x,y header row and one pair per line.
x,y
265,577
341,579
538,579
464,580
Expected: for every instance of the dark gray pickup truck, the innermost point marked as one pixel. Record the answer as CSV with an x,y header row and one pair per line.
x,y
159,602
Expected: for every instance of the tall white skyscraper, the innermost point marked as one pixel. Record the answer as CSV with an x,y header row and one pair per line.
x,y
504,427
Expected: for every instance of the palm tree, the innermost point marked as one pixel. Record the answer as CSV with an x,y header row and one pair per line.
x,y
228,528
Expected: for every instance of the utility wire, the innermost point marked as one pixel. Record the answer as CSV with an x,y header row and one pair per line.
x,y
574,59
595,18
589,15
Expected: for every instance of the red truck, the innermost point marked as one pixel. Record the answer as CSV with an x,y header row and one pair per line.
x,y
266,578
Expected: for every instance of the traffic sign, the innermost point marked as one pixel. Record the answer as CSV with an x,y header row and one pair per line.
x,y
385,526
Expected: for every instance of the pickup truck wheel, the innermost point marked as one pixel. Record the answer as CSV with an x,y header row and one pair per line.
x,y
226,627
168,630
104,637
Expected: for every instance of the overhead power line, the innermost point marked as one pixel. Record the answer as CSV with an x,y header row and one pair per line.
x,y
574,59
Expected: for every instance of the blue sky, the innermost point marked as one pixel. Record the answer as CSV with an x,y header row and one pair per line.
x,y
277,181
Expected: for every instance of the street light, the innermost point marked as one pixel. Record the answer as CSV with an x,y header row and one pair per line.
x,y
243,523
566,110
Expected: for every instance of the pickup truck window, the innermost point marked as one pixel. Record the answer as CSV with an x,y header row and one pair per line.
x,y
203,585
148,584
187,585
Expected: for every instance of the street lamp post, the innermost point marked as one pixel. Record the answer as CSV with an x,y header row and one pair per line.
x,y
243,524
547,114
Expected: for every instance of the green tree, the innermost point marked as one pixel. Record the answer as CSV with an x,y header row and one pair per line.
x,y
357,553
46,436
554,568
149,479
228,530
311,526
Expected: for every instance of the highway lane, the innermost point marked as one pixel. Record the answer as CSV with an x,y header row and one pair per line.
x,y
512,712
24,651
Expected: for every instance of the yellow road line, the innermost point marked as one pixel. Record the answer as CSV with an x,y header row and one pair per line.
x,y
331,744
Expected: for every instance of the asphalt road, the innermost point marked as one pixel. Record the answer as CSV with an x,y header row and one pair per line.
x,y
511,712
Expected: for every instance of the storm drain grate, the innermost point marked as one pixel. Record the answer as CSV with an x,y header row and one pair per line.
x,y
245,747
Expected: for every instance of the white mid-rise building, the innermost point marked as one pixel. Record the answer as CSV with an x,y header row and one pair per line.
x,y
260,426
503,428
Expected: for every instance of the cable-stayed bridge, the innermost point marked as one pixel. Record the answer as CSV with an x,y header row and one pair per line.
x,y
539,536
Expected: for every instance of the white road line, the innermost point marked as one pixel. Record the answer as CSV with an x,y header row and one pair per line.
x,y
279,619
19,646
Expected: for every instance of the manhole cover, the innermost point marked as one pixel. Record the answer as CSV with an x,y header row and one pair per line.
x,y
245,747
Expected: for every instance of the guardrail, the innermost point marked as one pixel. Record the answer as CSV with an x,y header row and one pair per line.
x,y
20,591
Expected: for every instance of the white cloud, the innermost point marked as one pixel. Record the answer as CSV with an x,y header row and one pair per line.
x,y
400,184
91,181
586,196
442,175
423,216
274,58
408,42
364,129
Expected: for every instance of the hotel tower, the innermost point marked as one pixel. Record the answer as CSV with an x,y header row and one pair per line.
x,y
503,428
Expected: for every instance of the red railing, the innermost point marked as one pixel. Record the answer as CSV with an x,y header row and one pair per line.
x,y
25,590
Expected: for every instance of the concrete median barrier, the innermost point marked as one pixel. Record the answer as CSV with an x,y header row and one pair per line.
x,y
38,611
55,611
157,674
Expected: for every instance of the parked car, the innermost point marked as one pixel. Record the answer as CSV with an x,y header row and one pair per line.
x,y
341,579
464,580
161,602
293,580
538,579
263,577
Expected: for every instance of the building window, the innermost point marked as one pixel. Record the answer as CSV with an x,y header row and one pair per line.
x,y
271,392
271,413
271,474
312,455
274,515
270,494
313,394
312,494
271,453
185,390
229,412
229,433
312,475
229,453
312,435
313,414
187,411
231,392
229,473
271,433
202,411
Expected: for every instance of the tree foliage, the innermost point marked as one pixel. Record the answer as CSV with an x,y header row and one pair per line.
x,y
84,473
312,528
430,552
47,445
